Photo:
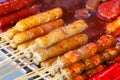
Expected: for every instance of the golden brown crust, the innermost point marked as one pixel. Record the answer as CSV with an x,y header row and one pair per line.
x,y
60,48
38,19
61,33
37,31
48,62
9,34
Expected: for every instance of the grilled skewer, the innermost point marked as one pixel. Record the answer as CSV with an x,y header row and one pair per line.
x,y
38,19
86,51
60,48
62,33
30,34
87,74
33,21
77,68
114,25
35,32
73,28
90,63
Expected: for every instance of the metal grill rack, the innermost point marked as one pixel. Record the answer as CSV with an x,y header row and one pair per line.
x,y
30,71
5,53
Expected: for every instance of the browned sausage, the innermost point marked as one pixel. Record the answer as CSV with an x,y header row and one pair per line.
x,y
14,5
12,18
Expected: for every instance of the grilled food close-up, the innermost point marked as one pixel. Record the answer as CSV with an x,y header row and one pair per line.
x,y
59,39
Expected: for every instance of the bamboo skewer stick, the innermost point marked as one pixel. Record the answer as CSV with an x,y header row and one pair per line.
x,y
14,70
100,58
43,76
2,41
2,34
36,72
13,54
5,62
54,67
8,54
8,68
5,42
4,47
28,74
58,76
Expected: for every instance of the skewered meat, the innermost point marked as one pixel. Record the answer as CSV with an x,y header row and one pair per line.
x,y
38,19
60,48
81,77
91,72
112,61
85,51
97,59
94,61
25,45
9,34
112,26
106,41
95,70
73,70
35,32
61,33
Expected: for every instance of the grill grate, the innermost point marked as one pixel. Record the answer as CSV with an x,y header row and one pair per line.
x,y
6,51
32,71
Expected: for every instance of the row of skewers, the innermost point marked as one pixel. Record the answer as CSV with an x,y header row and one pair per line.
x,y
70,65
43,37
12,37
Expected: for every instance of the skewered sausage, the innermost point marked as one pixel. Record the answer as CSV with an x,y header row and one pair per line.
x,y
61,33
12,18
59,48
81,77
95,70
38,19
73,70
112,26
35,32
97,59
85,51
88,74
94,61
9,34
106,41
25,45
